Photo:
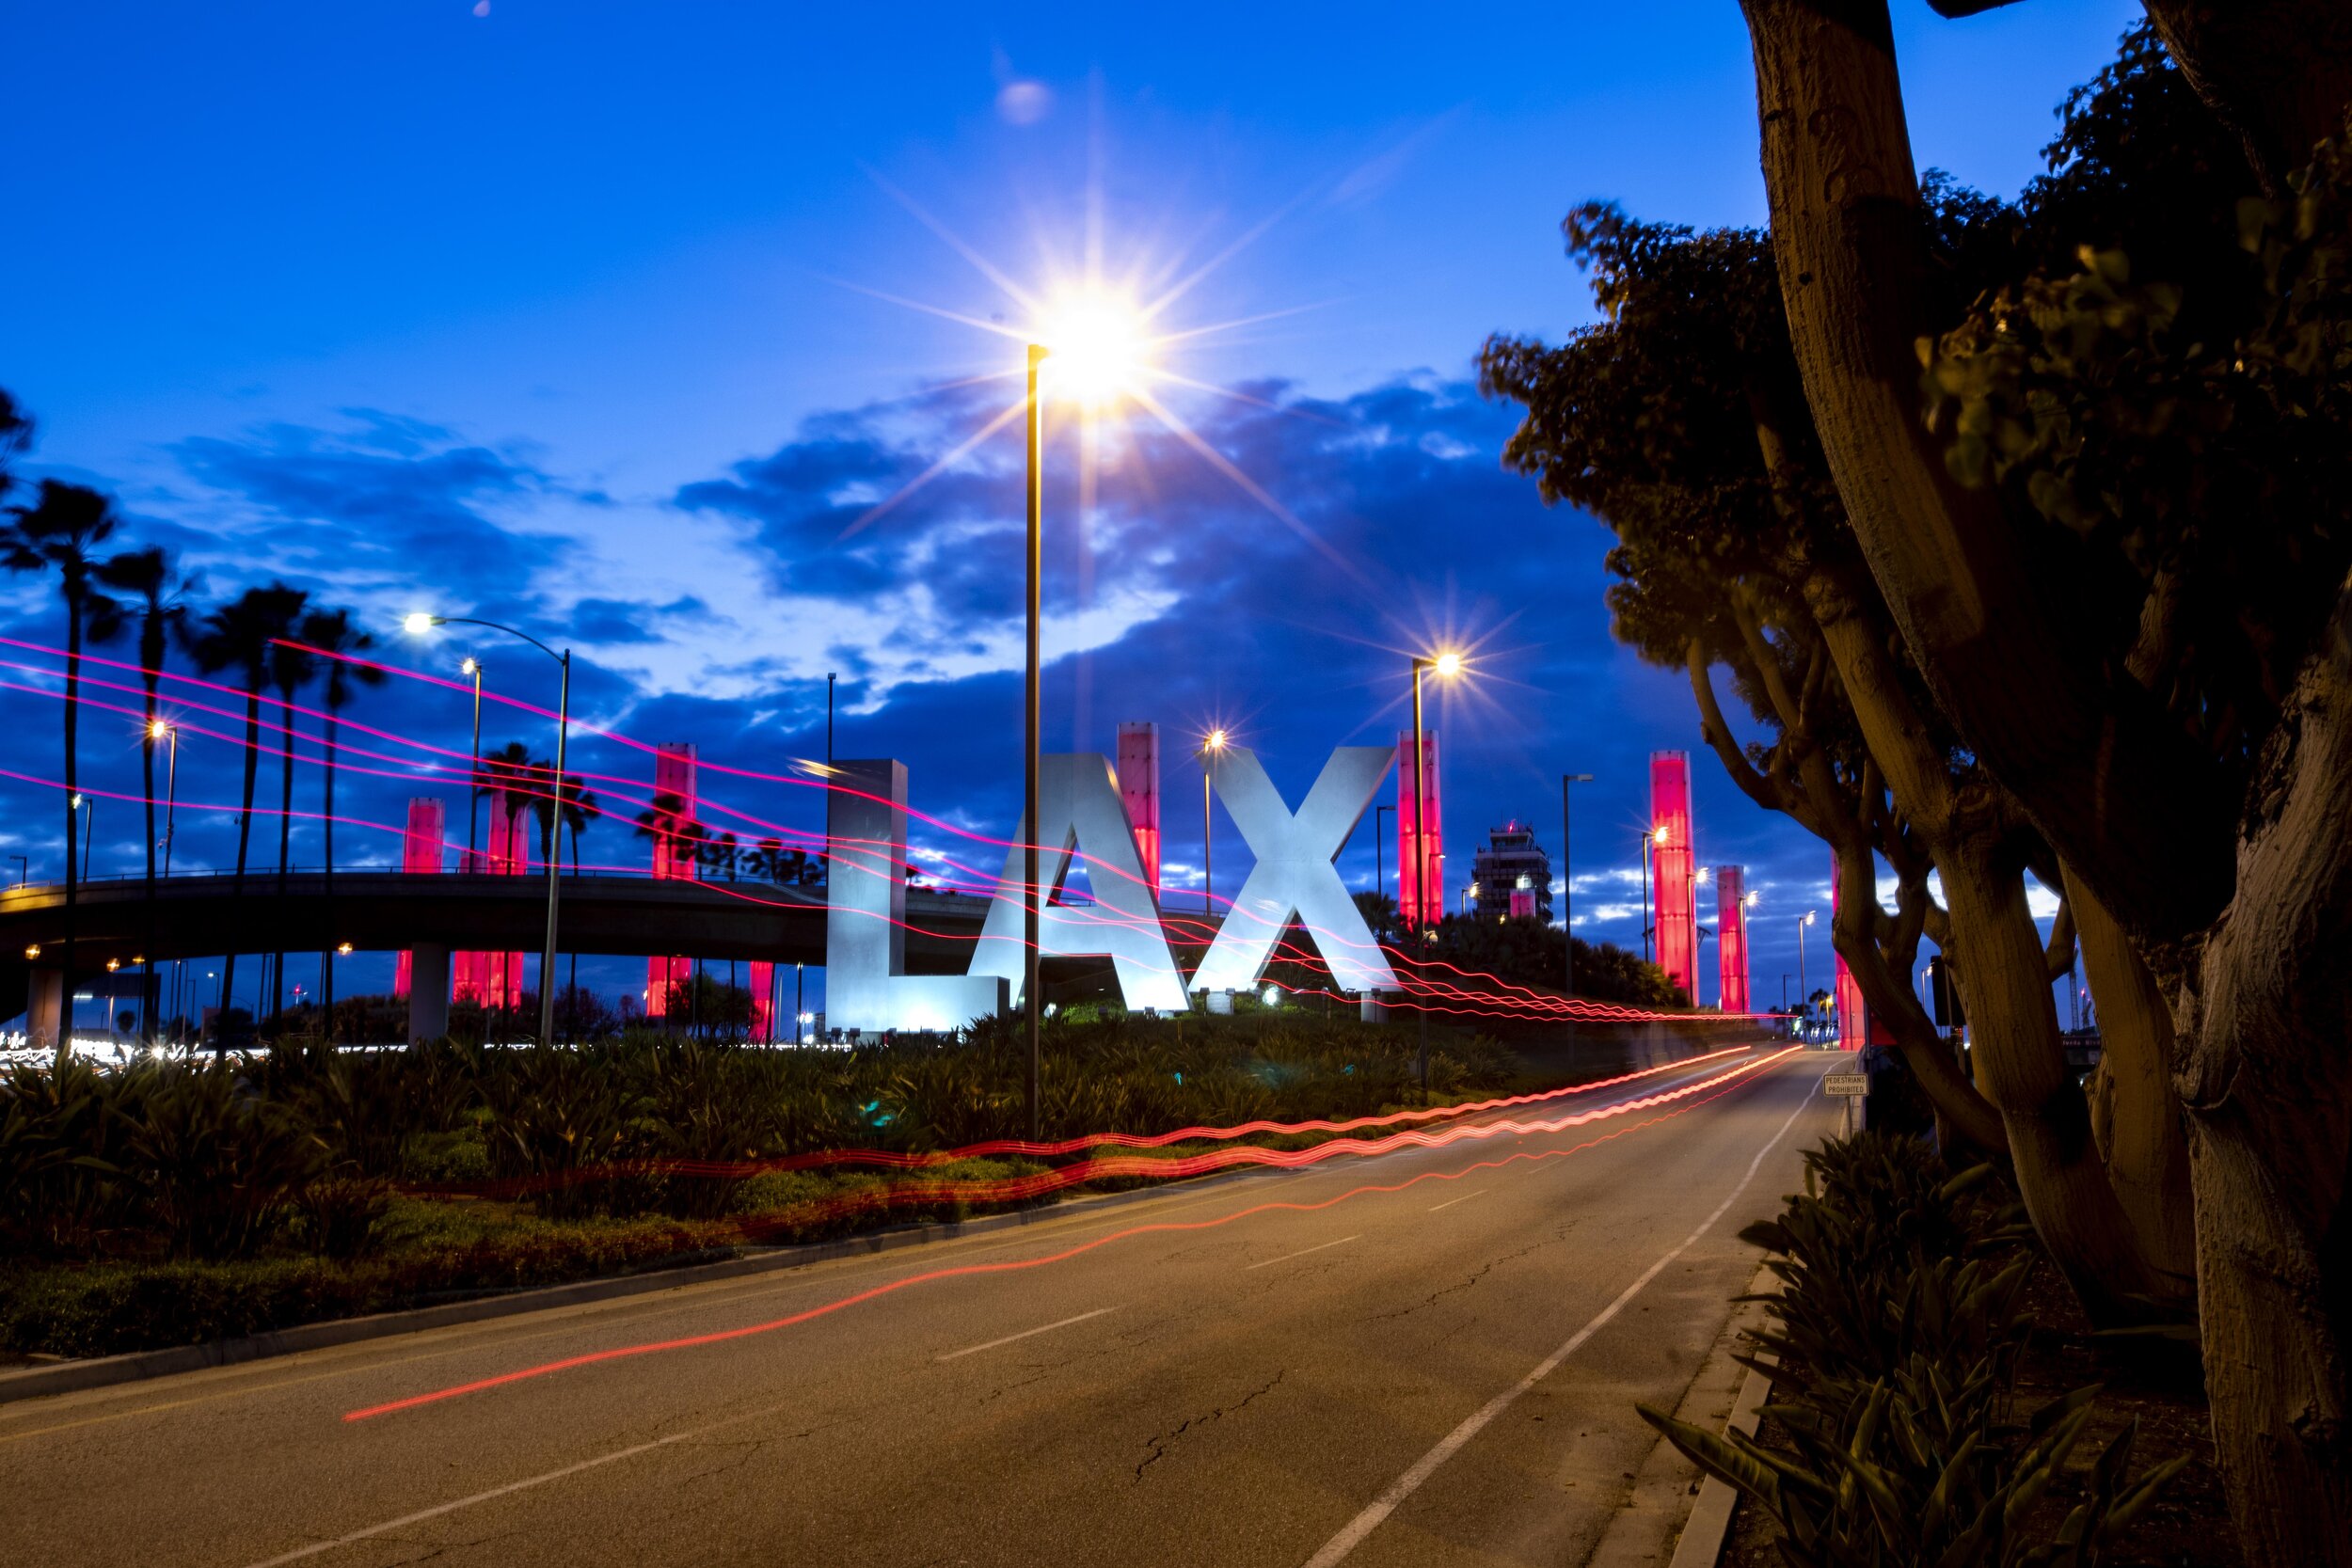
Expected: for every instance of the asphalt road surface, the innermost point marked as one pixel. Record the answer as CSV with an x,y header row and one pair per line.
x,y
1429,1358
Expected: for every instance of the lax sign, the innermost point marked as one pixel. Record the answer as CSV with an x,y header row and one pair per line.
x,y
1296,877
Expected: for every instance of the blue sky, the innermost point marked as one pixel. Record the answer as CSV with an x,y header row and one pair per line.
x,y
573,313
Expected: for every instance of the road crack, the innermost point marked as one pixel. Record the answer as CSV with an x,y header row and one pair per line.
x,y
1435,1296
1159,1443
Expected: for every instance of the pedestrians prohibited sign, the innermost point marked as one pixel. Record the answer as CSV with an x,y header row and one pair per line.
x,y
1845,1083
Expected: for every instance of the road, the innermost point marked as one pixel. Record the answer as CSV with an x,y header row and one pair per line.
x,y
1426,1358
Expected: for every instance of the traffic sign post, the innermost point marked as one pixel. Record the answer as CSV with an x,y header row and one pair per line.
x,y
1845,1083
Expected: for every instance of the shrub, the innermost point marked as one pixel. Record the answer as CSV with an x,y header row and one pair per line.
x,y
219,1165
1898,1323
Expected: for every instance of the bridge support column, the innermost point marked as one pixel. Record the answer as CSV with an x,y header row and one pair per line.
x,y
44,1009
428,991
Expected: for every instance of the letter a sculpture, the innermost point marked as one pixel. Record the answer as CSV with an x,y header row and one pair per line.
x,y
1078,798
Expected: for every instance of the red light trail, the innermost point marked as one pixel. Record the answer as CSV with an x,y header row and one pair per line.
x,y
1728,1082
896,1159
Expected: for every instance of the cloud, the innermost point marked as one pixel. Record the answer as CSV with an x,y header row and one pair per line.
x,y
382,498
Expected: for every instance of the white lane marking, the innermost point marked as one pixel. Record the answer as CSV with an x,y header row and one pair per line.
x,y
1463,1198
438,1508
1048,1328
1288,1255
1407,1485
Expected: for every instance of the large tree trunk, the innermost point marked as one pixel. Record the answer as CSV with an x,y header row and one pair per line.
x,y
2020,1060
2276,72
2268,1082
2021,1063
2135,1112
1987,616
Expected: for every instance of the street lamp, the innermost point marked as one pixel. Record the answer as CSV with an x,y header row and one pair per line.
x,y
1212,747
89,809
1447,664
1097,344
1656,838
1805,996
161,731
1568,897
422,622
473,781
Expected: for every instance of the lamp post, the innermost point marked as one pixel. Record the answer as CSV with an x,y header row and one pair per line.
x,y
831,676
1212,747
171,792
1567,895
88,808
421,623
1032,720
150,996
1803,995
1447,666
1649,907
473,779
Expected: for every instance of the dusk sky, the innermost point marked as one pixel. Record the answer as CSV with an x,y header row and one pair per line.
x,y
613,320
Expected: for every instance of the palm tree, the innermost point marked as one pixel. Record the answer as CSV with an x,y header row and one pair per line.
x,y
16,434
659,821
57,533
291,667
506,780
720,856
332,634
580,809
239,635
163,619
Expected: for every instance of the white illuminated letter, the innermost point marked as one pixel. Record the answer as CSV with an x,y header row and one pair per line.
x,y
1078,798
1295,873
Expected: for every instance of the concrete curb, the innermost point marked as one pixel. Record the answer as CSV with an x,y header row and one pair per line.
x,y
1701,1544
66,1377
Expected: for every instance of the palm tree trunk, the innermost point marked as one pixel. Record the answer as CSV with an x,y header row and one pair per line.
x,y
149,997
285,846
245,838
73,785
326,955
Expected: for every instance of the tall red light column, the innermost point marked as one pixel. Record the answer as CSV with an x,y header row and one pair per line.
x,y
1853,1017
420,855
672,860
1139,789
1731,936
1420,869
495,979
1675,868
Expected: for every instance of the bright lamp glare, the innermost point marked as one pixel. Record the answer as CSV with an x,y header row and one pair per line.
x,y
1449,665
418,624
1215,741
1096,348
